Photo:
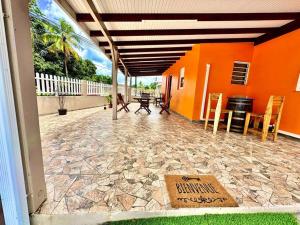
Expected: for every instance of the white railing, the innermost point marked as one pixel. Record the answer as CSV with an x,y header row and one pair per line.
x,y
138,91
54,85
94,88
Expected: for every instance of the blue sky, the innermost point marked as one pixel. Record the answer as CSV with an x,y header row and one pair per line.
x,y
88,50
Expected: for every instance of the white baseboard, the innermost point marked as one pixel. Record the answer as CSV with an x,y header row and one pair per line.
x,y
280,131
289,134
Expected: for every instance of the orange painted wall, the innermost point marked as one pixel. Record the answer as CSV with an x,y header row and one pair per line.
x,y
274,71
221,58
187,101
183,99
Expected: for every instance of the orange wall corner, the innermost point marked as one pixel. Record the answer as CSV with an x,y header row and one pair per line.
x,y
183,99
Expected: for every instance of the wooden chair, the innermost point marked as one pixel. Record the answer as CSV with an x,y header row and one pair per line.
x,y
122,102
271,115
212,97
145,95
165,106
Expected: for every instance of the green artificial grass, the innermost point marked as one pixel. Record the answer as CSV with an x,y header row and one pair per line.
x,y
218,219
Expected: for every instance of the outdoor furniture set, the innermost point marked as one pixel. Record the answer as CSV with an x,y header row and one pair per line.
x,y
240,118
144,101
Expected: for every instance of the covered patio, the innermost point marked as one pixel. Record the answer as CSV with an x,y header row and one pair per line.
x,y
94,164
90,162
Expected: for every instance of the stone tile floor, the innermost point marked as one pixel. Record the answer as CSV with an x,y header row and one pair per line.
x,y
95,164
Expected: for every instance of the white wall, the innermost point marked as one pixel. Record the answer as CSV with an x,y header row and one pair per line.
x,y
49,104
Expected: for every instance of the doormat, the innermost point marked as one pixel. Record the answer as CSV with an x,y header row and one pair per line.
x,y
187,191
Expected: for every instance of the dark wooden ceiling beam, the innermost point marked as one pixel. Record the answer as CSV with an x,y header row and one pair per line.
x,y
129,63
128,50
149,67
182,41
146,74
158,71
278,32
147,71
94,33
135,17
152,55
144,60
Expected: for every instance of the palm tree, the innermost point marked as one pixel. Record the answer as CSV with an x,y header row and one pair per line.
x,y
62,37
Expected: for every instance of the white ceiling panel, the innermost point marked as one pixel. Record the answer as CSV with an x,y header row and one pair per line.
x,y
153,46
192,24
196,6
178,37
79,6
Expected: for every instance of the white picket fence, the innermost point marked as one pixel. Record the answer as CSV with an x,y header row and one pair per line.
x,y
95,88
54,85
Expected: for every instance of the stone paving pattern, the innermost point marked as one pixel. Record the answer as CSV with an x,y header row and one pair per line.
x,y
95,164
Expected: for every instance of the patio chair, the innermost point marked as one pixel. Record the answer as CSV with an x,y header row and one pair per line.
x,y
217,97
122,102
145,95
271,116
165,106
158,100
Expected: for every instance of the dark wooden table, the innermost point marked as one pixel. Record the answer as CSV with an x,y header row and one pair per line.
x,y
144,104
240,106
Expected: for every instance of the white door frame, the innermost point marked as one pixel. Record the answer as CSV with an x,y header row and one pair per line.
x,y
207,71
12,185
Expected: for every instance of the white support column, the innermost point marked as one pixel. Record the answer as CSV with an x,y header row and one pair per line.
x,y
115,59
135,86
12,183
129,91
126,85
17,27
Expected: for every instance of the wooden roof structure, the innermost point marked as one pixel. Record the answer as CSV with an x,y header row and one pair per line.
x,y
150,35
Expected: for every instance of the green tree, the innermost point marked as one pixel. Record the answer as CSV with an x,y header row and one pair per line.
x,y
51,60
80,68
140,85
99,78
47,67
153,85
62,38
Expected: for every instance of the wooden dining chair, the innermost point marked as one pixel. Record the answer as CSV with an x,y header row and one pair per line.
x,y
217,97
165,106
124,105
272,116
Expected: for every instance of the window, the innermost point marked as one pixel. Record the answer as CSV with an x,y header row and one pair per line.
x,y
240,72
181,78
298,84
